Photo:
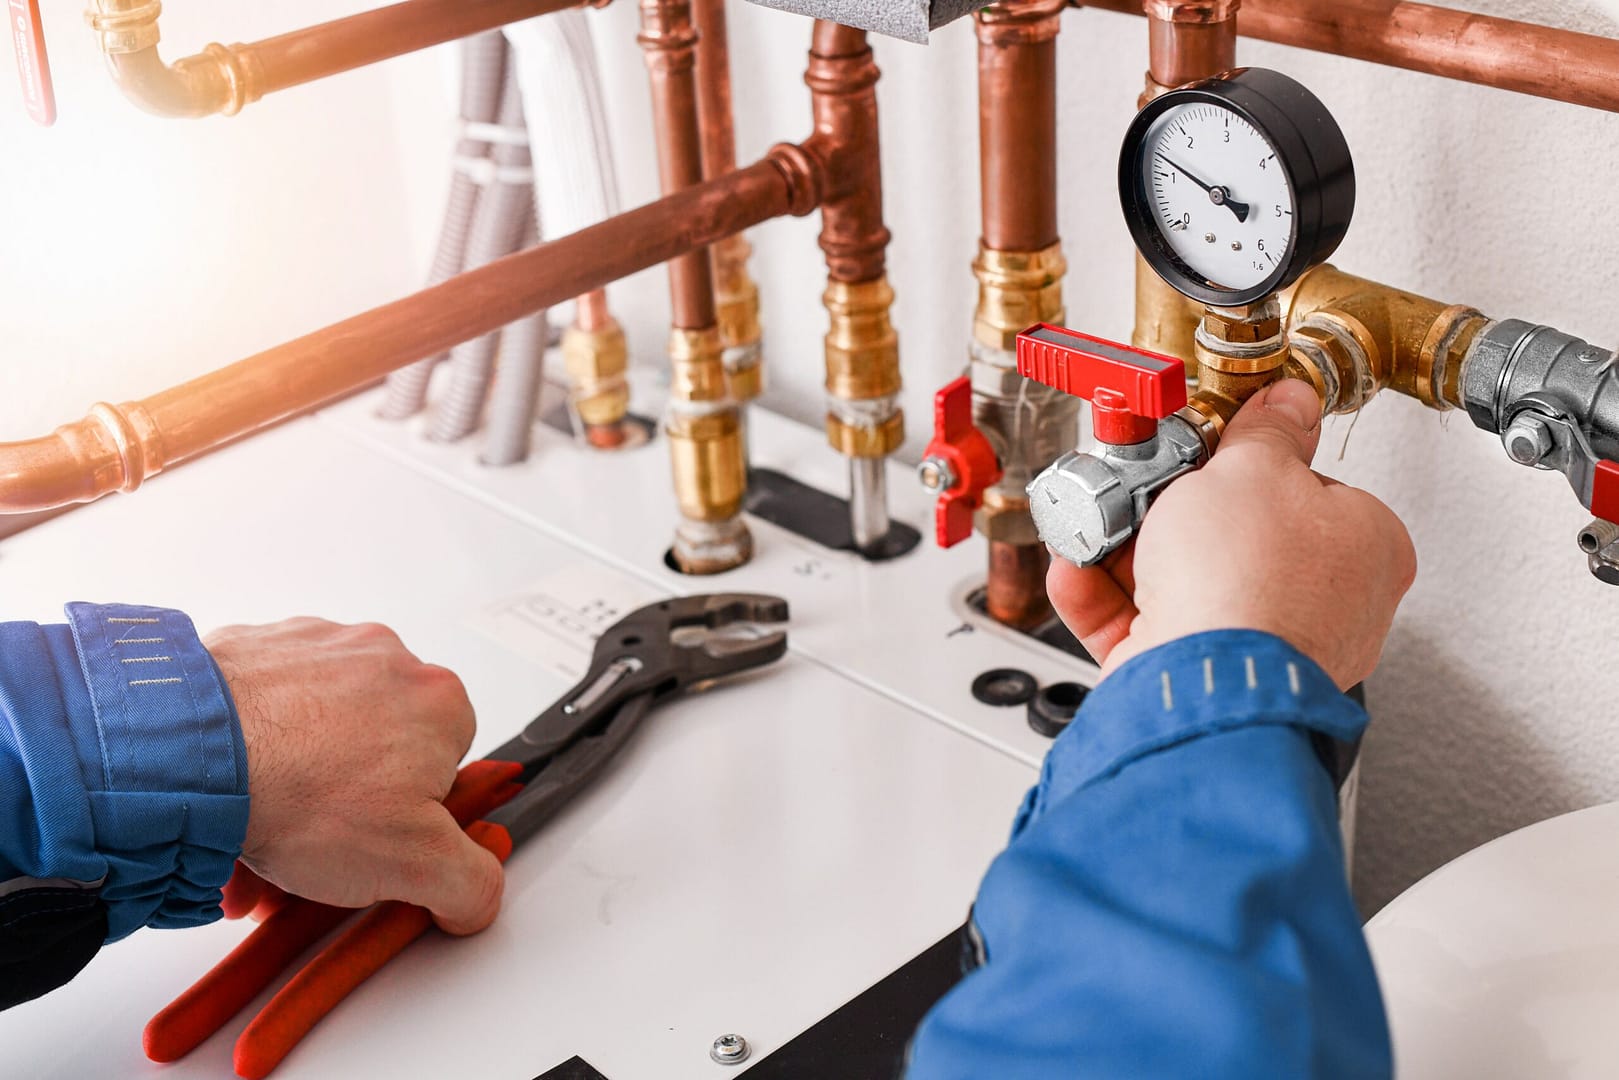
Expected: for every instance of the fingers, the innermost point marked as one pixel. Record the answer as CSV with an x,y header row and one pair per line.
x,y
451,876
1092,602
1283,418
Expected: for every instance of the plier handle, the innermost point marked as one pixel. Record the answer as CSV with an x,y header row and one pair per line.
x,y
652,654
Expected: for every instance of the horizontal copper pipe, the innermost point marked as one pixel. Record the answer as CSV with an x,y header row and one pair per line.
x,y
1562,65
116,448
222,79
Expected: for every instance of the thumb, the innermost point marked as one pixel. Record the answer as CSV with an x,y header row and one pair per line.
x,y
1284,417
454,877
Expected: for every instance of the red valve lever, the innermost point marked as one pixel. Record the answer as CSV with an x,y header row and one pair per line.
x,y
1129,389
33,65
962,449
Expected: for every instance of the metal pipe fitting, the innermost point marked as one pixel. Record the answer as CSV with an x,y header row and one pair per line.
x,y
224,79
863,422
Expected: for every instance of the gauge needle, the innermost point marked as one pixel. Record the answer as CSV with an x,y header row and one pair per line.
x,y
1219,196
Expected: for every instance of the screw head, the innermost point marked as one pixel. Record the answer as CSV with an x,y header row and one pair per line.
x,y
1528,440
936,475
730,1049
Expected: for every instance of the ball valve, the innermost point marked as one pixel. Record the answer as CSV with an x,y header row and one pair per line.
x,y
959,464
1087,505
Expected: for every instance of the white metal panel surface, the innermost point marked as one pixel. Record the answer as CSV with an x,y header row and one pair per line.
x,y
757,856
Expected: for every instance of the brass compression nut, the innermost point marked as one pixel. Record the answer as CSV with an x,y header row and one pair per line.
x,y
596,361
866,440
697,364
1017,289
862,349
705,449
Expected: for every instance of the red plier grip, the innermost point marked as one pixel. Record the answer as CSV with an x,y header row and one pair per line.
x,y
194,1016
363,949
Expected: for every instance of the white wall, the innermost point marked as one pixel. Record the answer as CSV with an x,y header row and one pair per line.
x,y
139,251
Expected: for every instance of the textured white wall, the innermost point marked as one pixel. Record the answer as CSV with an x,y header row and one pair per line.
x,y
138,251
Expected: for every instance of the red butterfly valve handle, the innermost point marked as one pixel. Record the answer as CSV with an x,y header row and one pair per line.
x,y
959,464
1129,389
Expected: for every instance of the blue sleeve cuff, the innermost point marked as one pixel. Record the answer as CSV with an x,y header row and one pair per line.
x,y
1208,683
163,764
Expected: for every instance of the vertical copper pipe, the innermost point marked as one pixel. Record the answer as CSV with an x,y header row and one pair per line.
x,y
1186,40
703,425
1019,269
736,297
1017,123
863,422
669,41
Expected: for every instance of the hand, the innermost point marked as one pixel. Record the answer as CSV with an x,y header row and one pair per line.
x,y
351,744
1253,540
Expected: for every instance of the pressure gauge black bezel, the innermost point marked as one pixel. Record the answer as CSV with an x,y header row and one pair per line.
x,y
1310,148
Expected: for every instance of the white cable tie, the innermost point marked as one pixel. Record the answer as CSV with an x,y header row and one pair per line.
x,y
514,175
494,133
480,170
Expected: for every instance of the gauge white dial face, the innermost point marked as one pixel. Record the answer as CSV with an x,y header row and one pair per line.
x,y
1218,194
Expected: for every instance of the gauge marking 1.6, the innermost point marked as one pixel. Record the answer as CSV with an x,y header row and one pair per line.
x,y
1216,186
1235,185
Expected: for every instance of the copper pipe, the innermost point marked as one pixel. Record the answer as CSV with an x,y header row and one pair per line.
x,y
1186,40
223,79
117,447
1016,592
736,297
1017,123
1527,58
842,78
863,421
590,312
669,40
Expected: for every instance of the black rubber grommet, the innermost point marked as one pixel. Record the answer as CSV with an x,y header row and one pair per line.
x,y
1004,687
1053,707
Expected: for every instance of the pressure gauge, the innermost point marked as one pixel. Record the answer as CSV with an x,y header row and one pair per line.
x,y
1235,185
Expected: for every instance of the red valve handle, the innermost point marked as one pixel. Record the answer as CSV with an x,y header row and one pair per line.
x,y
1129,389
33,65
958,444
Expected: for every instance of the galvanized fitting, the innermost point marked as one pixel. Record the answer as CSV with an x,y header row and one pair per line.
x,y
596,361
1017,289
1087,505
1528,440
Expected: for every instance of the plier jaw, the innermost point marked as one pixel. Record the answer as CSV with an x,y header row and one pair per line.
x,y
651,654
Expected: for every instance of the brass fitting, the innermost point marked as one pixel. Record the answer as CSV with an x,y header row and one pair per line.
x,y
736,306
1016,289
1379,336
1239,351
862,370
704,429
596,360
1166,322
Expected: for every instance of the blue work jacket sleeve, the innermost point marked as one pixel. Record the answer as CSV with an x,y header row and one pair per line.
x,y
1173,902
123,783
